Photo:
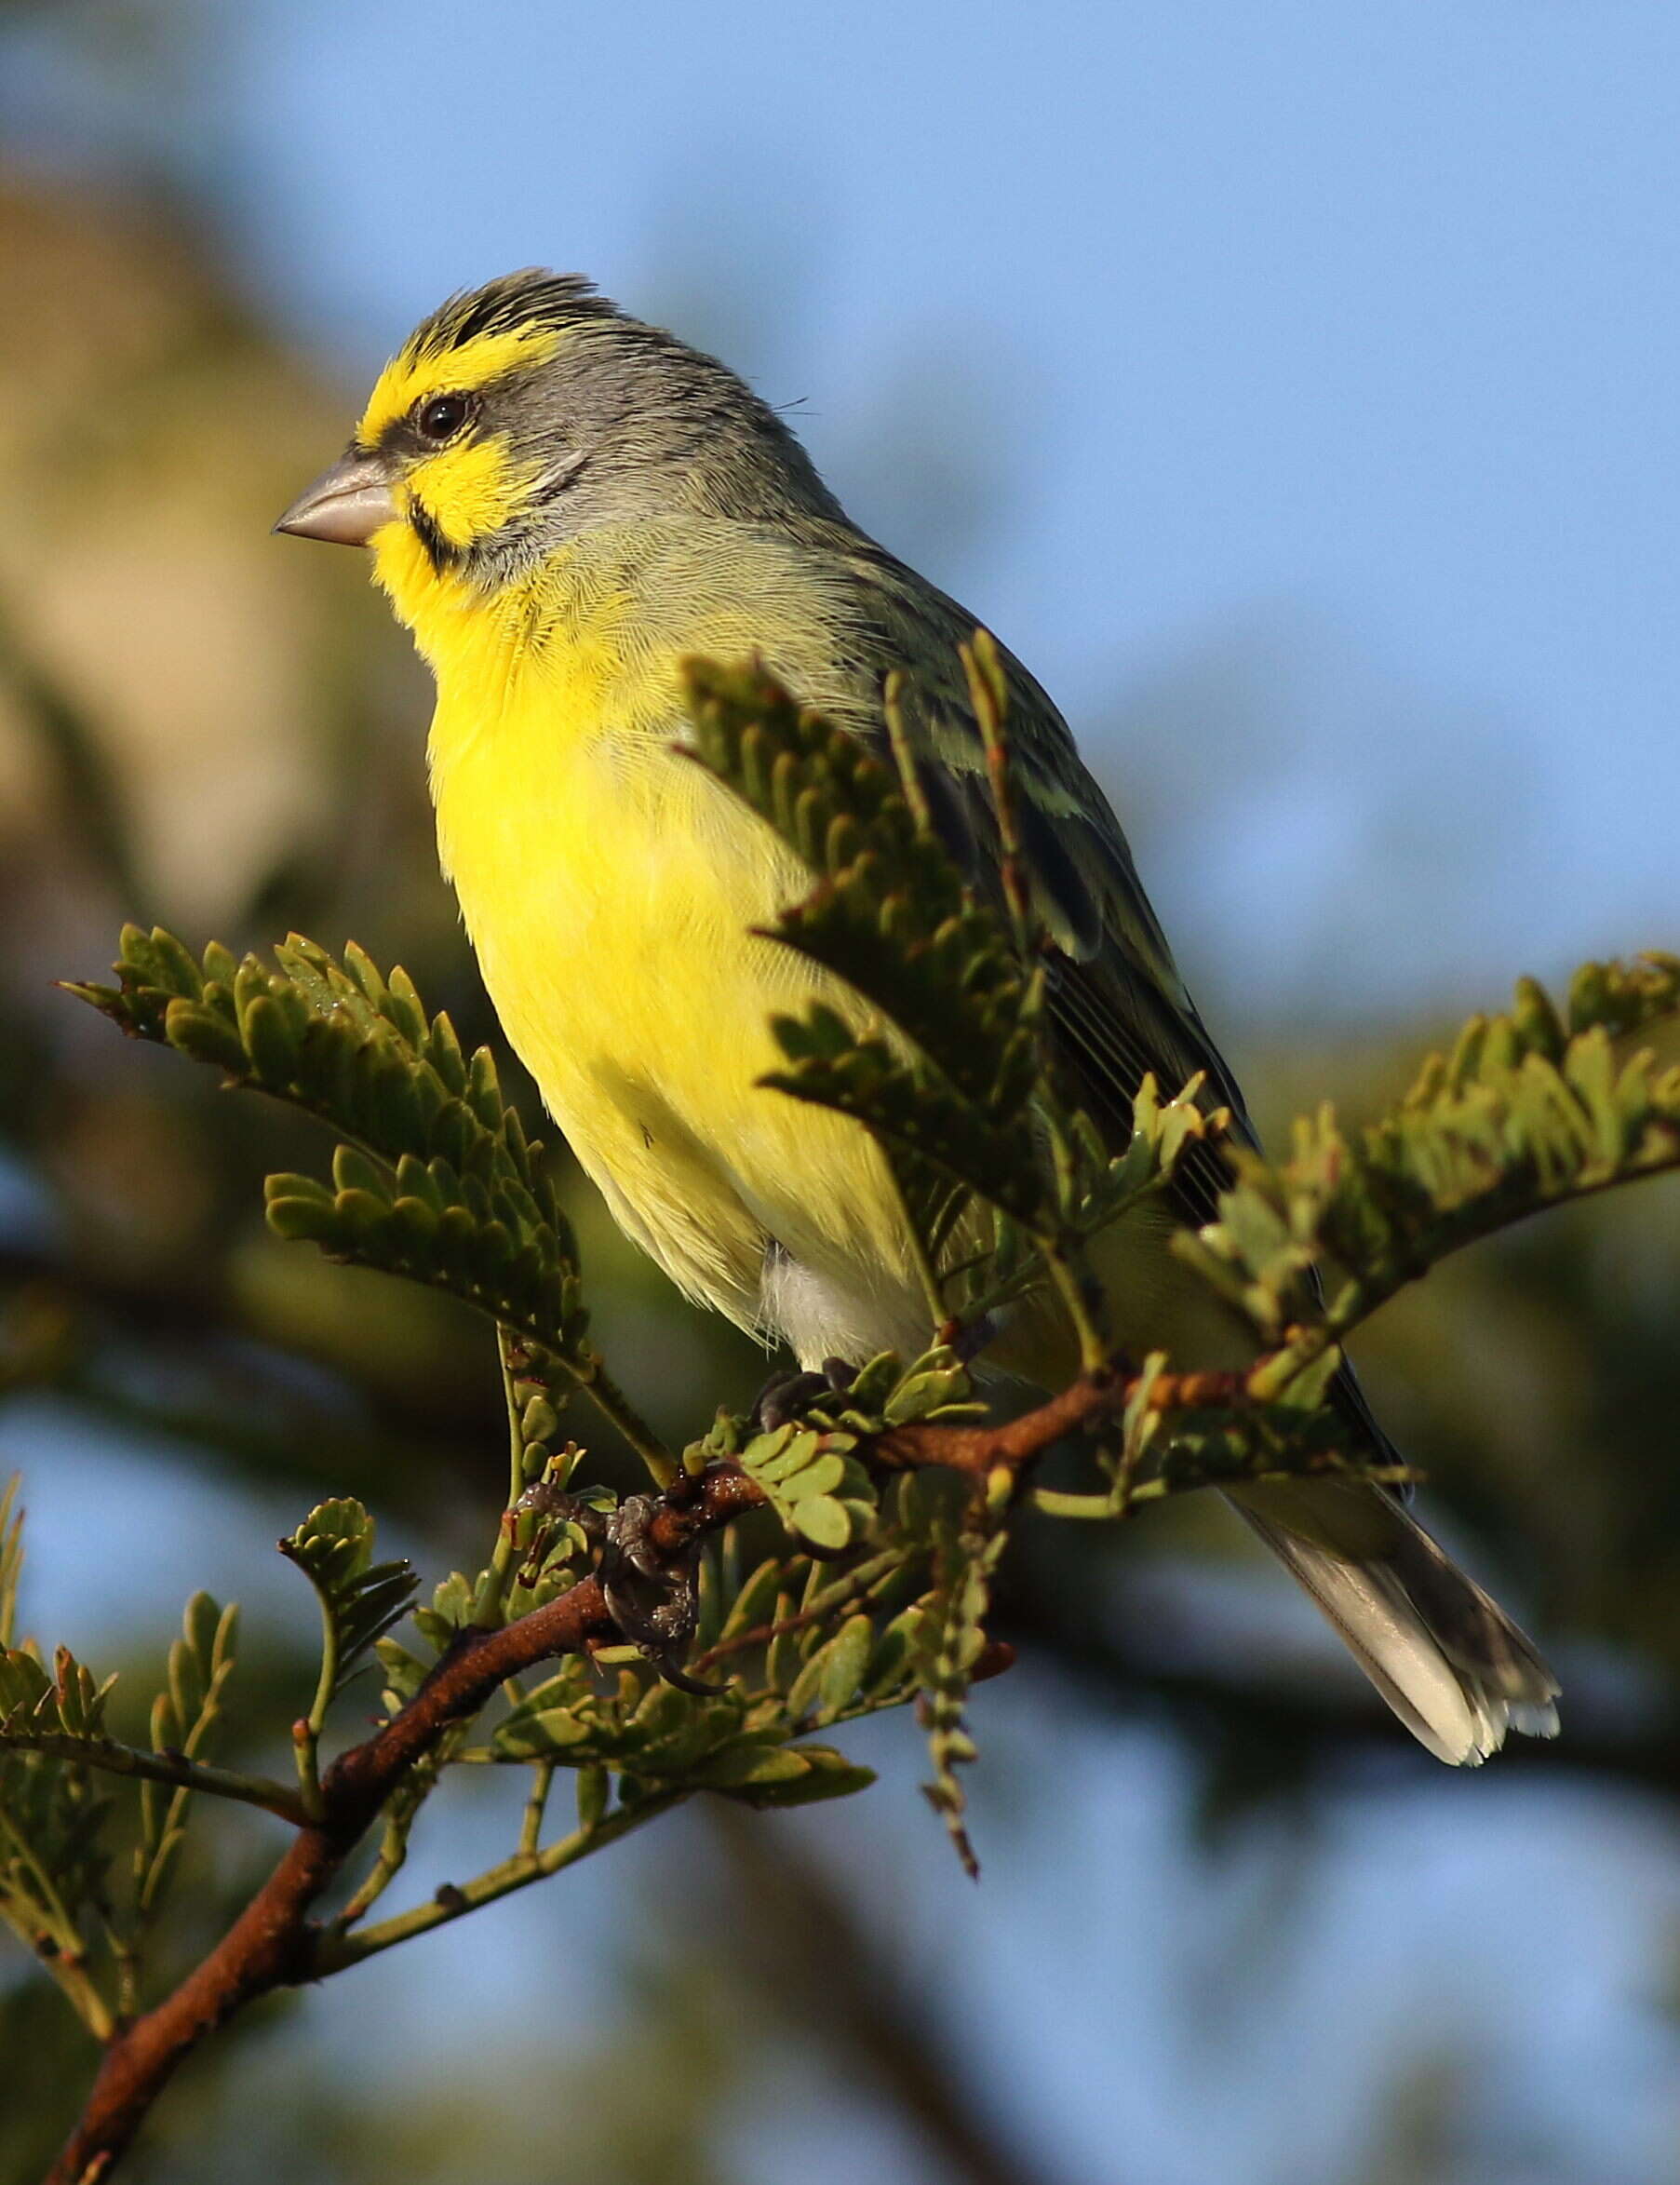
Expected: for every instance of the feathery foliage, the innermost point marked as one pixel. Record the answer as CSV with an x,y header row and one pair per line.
x,y
360,1600
1531,1108
185,1715
831,1555
439,1180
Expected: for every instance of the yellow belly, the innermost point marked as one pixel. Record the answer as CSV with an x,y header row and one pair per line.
x,y
609,886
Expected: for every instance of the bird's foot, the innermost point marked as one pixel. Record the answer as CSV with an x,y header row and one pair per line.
x,y
653,1600
785,1395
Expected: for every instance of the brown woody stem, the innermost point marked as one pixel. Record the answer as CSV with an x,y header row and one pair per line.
x,y
272,1943
1095,1396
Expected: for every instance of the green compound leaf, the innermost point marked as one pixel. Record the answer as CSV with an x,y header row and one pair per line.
x,y
450,1611
53,1866
1616,998
786,1776
441,1185
1526,1111
183,1719
807,1469
1163,1132
909,1109
45,1810
814,1483
931,1390
360,1600
885,1393
842,1664
69,1702
950,1637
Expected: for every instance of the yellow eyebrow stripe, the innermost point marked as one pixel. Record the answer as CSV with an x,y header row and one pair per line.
x,y
411,376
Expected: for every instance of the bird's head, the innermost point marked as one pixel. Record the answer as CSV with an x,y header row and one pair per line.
x,y
523,414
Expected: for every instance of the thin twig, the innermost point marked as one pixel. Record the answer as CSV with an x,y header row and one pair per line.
x,y
531,1359
392,1850
488,1608
64,1959
161,1767
536,1805
453,1901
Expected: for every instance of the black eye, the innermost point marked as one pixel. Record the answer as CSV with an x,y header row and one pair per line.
x,y
443,416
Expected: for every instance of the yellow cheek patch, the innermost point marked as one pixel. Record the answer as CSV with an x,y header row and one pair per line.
x,y
471,492
410,376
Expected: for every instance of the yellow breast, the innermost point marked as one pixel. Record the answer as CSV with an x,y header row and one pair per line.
x,y
609,886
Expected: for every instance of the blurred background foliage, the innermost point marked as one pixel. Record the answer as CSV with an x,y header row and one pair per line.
x,y
1233,1926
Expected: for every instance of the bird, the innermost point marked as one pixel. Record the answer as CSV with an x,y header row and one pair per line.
x,y
563,505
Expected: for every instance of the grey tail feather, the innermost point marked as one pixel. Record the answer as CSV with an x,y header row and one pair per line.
x,y
1448,1659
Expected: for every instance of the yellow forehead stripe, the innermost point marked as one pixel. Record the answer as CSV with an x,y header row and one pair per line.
x,y
470,492
412,375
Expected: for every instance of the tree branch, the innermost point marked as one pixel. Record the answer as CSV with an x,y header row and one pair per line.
x,y
272,1943
335,1951
1093,1396
173,1768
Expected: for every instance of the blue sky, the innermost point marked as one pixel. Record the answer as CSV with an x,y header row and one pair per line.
x,y
1292,386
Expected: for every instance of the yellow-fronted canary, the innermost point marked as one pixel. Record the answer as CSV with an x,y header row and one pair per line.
x,y
563,504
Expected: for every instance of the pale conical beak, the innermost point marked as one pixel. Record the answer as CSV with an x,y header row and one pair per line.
x,y
346,504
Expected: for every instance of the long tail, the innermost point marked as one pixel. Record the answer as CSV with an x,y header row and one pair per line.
x,y
1448,1659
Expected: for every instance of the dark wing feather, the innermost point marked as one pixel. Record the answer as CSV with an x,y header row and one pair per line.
x,y
1117,1003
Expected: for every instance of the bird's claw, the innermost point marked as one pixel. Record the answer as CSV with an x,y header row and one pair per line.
x,y
784,1395
653,1599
